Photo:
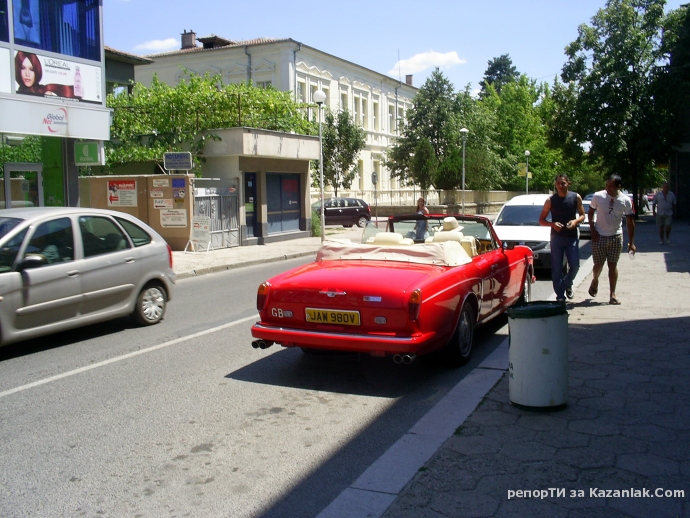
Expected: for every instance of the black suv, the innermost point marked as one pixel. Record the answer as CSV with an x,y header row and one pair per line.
x,y
344,211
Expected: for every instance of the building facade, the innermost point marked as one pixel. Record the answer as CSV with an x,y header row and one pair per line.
x,y
378,103
52,98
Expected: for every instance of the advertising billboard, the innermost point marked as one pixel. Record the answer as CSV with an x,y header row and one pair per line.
x,y
56,77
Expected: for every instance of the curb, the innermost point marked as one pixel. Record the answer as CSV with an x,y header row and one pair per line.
x,y
241,264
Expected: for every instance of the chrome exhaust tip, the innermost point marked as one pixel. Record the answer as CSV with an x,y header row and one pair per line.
x,y
256,344
409,358
397,359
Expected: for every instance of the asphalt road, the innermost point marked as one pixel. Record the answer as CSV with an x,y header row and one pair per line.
x,y
185,418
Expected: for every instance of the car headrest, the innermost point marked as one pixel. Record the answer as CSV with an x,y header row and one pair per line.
x,y
440,237
450,224
388,238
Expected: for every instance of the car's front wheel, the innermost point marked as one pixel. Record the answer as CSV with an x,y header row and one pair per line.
x,y
459,349
151,304
526,295
362,221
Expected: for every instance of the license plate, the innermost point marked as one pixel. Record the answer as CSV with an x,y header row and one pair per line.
x,y
333,316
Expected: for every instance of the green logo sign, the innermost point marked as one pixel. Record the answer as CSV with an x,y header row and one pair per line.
x,y
87,153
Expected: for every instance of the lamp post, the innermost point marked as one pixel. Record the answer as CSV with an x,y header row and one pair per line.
x,y
527,173
319,98
463,132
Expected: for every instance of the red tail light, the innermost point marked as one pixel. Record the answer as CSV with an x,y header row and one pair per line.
x,y
415,304
170,256
261,296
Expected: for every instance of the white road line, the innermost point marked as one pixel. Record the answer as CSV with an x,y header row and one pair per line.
x,y
123,357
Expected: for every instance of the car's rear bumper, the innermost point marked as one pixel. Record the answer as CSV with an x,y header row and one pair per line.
x,y
334,341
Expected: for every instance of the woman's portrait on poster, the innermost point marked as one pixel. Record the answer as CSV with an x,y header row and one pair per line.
x,y
28,73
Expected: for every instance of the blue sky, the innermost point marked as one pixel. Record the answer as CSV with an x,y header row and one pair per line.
x,y
392,37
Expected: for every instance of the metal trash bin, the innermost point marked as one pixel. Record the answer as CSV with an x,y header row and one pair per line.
x,y
538,355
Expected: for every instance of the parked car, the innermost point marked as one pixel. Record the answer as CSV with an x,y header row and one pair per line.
x,y
63,267
585,231
517,223
394,295
344,211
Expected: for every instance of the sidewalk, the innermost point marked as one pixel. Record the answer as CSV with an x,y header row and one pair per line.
x,y
194,264
626,427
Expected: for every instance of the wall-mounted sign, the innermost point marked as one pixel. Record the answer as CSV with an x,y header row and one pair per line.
x,y
163,204
161,182
122,193
51,77
156,192
179,161
89,153
174,218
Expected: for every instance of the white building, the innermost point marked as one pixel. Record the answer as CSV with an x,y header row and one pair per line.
x,y
376,101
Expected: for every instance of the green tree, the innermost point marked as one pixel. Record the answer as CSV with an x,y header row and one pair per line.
x,y
612,64
29,150
342,142
500,71
160,118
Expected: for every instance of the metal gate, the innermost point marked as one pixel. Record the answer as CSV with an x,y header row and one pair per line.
x,y
223,209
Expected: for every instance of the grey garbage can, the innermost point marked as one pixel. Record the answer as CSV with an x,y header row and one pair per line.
x,y
538,355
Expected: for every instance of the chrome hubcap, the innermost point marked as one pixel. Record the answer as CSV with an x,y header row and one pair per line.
x,y
152,304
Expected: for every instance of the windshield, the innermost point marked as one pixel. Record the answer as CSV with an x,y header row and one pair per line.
x,y
520,215
7,224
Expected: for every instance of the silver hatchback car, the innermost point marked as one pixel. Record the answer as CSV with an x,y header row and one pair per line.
x,y
64,267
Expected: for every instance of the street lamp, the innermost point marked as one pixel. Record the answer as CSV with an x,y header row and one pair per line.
x,y
319,97
527,173
463,132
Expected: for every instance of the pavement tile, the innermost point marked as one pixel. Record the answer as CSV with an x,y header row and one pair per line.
x,y
618,444
563,439
469,504
647,464
599,426
600,403
473,445
585,457
649,432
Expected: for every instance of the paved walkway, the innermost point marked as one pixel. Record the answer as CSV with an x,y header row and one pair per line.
x,y
626,427
625,430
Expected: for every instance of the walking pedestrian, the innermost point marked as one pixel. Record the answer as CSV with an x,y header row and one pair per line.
x,y
567,213
663,207
610,206
421,232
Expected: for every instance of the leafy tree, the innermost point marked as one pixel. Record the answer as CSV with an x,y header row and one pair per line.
x,y
29,150
342,142
613,64
160,118
499,72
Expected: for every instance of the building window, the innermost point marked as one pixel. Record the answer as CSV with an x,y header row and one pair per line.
x,y
264,84
392,127
375,115
356,110
343,101
66,27
300,91
365,115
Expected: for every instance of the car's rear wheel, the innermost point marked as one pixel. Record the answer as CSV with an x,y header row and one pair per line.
x,y
362,221
151,304
459,349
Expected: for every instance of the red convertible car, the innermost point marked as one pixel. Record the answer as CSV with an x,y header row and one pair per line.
x,y
420,286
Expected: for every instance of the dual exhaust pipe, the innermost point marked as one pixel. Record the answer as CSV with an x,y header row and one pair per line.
x,y
404,358
261,344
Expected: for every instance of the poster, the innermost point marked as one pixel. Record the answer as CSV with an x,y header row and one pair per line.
x,y
122,193
57,78
161,182
5,74
173,218
163,204
201,232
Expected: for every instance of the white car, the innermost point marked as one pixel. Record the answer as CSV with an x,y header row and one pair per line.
x,y
518,223
64,267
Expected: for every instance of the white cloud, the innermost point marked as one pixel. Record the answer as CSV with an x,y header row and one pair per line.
x,y
159,45
426,60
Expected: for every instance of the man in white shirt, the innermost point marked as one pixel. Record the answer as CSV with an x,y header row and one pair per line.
x,y
663,206
610,206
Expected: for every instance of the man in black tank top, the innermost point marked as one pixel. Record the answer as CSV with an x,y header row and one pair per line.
x,y
567,213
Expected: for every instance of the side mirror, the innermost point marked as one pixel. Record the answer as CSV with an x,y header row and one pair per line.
x,y
31,261
508,245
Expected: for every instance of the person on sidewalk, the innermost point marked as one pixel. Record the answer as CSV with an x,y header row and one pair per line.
x,y
567,213
421,232
663,207
610,206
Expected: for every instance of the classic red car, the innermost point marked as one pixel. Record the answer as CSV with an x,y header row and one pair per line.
x,y
421,285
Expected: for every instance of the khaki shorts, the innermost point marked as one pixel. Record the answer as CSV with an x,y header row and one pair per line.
x,y
663,221
607,249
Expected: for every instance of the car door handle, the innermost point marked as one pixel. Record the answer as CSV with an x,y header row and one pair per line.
x,y
73,273
130,259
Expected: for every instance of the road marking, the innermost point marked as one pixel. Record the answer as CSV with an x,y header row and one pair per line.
x,y
124,357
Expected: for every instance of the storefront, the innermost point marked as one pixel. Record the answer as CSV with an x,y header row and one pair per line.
x,y
52,98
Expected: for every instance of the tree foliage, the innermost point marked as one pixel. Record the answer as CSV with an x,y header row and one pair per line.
x,y
342,142
611,70
499,71
160,118
29,150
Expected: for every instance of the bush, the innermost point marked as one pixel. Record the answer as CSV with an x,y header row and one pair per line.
x,y
315,224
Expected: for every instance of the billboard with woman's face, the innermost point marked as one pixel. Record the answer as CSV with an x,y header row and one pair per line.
x,y
56,77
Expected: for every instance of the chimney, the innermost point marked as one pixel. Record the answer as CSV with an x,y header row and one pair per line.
x,y
408,79
188,40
